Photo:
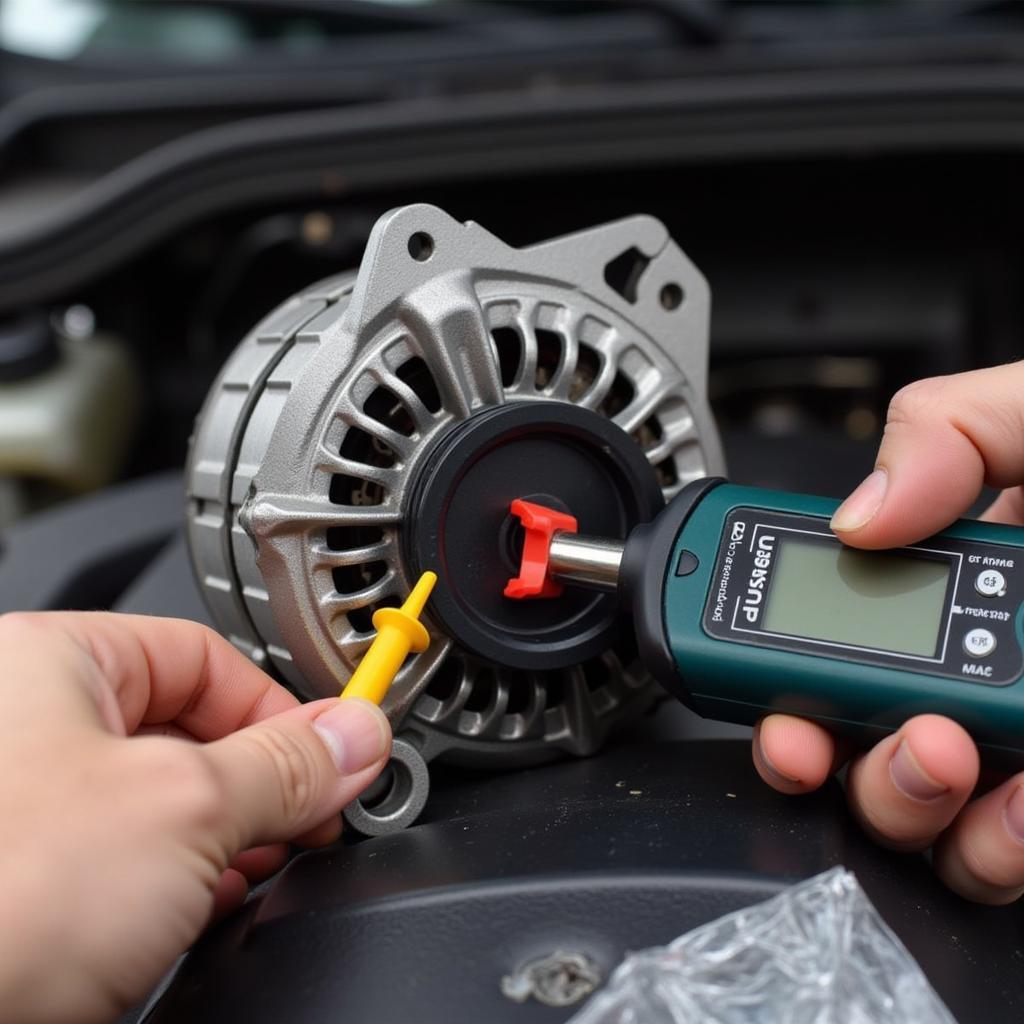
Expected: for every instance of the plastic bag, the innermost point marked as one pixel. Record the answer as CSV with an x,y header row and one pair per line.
x,y
818,953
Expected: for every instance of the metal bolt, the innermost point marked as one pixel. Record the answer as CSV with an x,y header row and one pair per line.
x,y
558,979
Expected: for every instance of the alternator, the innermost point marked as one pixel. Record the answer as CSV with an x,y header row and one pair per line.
x,y
379,423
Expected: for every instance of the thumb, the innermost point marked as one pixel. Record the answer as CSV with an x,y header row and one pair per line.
x,y
286,774
944,438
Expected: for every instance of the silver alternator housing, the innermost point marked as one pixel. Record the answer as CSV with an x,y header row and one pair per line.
x,y
305,451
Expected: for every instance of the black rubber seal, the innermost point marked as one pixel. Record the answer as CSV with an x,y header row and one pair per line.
x,y
457,523
645,564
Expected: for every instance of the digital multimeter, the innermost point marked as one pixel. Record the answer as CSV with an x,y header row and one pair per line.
x,y
744,602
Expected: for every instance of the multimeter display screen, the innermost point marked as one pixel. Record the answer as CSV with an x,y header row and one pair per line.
x,y
822,590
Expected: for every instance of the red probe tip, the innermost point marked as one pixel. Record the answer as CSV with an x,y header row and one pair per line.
x,y
540,523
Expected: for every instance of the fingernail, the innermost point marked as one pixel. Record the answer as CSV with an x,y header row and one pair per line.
x,y
910,778
860,507
766,762
1015,814
354,733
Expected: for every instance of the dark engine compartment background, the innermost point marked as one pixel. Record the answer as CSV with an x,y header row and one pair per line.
x,y
834,282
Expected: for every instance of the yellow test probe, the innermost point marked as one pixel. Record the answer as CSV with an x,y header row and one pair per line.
x,y
399,631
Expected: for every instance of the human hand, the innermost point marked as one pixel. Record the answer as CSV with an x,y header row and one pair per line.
x,y
945,437
123,834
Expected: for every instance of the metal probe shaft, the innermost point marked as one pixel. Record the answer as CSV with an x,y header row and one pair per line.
x,y
592,561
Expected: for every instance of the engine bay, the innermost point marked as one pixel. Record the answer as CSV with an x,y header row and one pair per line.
x,y
269,338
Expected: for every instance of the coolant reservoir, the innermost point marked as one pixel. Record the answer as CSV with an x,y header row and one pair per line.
x,y
67,404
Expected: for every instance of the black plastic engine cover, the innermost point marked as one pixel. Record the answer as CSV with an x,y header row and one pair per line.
x,y
601,856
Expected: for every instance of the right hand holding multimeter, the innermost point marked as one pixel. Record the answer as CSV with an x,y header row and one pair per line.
x,y
944,439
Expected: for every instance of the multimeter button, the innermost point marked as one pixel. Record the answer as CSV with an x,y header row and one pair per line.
x,y
979,643
990,583
687,563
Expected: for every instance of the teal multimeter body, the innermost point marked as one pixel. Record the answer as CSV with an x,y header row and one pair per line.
x,y
746,603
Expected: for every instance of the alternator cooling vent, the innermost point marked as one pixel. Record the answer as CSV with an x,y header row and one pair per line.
x,y
543,350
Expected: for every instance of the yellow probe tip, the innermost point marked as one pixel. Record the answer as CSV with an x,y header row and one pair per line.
x,y
417,599
398,632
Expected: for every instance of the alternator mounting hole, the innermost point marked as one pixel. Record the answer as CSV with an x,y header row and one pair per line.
x,y
671,296
389,791
421,246
395,799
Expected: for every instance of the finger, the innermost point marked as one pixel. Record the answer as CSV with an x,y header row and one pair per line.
x,y
281,777
50,678
228,894
791,754
943,439
164,729
982,856
161,670
324,834
260,862
911,785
